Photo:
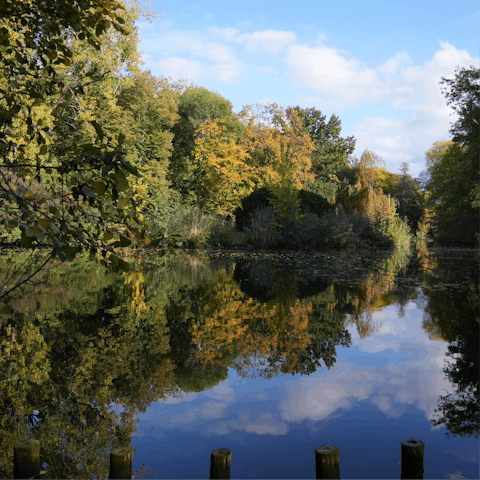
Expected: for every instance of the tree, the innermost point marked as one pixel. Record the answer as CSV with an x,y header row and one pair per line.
x,y
331,150
450,186
281,151
228,173
196,105
47,72
463,95
409,198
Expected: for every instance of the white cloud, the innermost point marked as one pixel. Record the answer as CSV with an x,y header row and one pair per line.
x,y
326,70
226,34
269,41
216,52
178,68
226,72
267,69
392,65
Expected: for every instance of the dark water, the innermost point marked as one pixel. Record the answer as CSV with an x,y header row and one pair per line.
x,y
268,355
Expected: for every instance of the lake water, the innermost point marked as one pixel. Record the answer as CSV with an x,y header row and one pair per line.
x,y
268,355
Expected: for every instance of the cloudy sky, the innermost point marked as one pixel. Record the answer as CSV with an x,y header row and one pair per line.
x,y
376,64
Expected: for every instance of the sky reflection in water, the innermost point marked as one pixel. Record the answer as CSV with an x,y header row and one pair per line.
x,y
380,391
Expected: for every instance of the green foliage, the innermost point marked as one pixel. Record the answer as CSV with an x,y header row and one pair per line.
x,y
261,197
454,180
451,184
331,150
64,180
261,226
196,105
410,203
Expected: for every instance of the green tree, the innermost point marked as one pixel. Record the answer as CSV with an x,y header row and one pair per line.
x,y
450,187
331,150
49,74
409,198
196,105
463,95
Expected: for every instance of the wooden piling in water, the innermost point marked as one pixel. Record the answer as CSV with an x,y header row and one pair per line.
x,y
26,459
220,461
327,462
121,463
412,459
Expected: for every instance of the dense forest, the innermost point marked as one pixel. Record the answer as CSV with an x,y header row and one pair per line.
x,y
98,154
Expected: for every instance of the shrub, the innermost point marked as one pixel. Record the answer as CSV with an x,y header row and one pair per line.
x,y
257,199
334,229
260,226
224,233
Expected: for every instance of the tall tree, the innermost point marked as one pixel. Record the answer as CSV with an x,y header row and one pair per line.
x,y
282,153
196,105
331,150
409,198
44,86
463,95
229,175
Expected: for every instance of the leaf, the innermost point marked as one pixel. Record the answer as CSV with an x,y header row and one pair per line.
x,y
33,232
114,259
98,129
87,190
99,187
120,181
106,169
124,241
147,240
130,168
108,235
43,150
29,194
6,309
43,224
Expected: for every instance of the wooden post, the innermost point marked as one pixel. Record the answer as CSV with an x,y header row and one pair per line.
x,y
121,463
220,461
412,459
26,459
327,462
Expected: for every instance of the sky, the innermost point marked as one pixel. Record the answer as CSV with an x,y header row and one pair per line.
x,y
383,389
375,64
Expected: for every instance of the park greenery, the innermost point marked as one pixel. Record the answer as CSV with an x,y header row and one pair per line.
x,y
101,159
99,155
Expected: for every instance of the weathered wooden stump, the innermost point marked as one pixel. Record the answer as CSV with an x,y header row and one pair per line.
x,y
412,459
121,463
327,462
26,459
220,461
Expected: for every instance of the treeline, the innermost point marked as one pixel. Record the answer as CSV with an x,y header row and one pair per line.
x,y
98,154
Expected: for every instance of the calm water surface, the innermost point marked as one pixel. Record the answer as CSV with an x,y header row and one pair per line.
x,y
268,355
384,378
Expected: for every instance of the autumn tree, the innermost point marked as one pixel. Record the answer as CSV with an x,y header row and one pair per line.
x,y
196,105
229,175
282,154
55,187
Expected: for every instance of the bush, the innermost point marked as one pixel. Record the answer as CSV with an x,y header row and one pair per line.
x,y
224,232
257,199
334,229
260,226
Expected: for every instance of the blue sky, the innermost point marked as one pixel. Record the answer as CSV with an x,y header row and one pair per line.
x,y
376,64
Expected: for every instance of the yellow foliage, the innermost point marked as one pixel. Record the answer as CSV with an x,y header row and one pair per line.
x,y
229,175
